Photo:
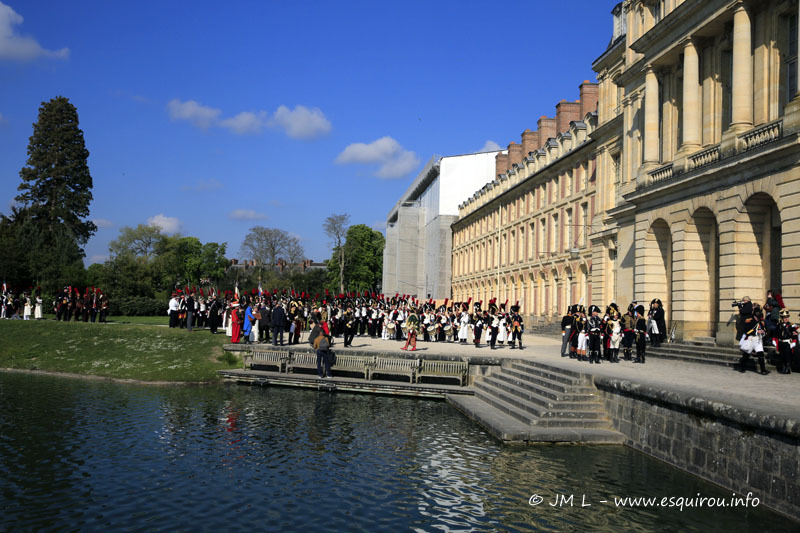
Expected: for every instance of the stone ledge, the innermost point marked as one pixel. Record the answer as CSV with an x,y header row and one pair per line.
x,y
788,427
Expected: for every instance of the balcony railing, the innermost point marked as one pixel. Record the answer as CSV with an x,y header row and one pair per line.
x,y
706,157
761,136
660,174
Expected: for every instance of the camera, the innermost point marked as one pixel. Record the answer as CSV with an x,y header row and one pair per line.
x,y
736,303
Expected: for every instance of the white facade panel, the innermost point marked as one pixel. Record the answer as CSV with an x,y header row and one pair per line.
x,y
460,176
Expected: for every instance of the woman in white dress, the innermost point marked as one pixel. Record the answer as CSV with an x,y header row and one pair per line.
x,y
463,327
26,312
37,313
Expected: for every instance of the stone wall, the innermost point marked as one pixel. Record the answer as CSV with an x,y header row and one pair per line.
x,y
730,446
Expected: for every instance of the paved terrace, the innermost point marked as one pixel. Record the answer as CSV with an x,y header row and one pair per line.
x,y
775,394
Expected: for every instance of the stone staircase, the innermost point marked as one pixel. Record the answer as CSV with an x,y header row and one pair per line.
x,y
704,350
528,402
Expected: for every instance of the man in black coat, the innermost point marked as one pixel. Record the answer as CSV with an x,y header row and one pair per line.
x,y
190,311
278,323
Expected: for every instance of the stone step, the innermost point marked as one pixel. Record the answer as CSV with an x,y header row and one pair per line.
x,y
551,375
541,412
549,394
499,424
519,414
508,429
720,360
596,423
507,384
552,368
550,389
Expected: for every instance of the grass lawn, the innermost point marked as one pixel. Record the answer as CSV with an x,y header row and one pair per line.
x,y
146,320
127,351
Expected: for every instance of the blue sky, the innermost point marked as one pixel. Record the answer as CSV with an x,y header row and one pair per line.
x,y
212,117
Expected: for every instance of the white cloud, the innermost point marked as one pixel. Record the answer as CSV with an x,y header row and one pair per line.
x,y
98,258
299,123
246,214
246,122
103,223
490,146
302,122
199,115
167,224
16,47
202,186
394,160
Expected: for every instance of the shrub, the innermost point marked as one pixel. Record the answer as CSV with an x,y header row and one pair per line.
x,y
138,306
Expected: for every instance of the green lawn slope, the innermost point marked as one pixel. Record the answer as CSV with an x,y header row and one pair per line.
x,y
116,350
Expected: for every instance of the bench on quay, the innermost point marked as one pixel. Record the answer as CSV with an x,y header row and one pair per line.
x,y
352,363
393,367
443,369
274,358
301,360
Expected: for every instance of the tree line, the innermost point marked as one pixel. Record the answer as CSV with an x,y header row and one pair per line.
x,y
44,235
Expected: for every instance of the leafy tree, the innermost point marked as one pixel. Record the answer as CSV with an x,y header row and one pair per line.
x,y
140,241
335,228
268,245
363,253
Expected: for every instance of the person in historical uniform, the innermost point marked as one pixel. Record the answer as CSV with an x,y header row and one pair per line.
x,y
628,334
640,330
463,324
657,326
751,341
613,331
579,333
441,324
786,341
350,325
479,322
412,325
37,312
517,327
494,325
566,332
594,330
278,321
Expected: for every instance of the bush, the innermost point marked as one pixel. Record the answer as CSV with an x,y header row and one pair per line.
x,y
138,306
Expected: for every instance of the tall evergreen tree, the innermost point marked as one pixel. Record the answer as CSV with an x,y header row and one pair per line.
x,y
56,186
55,194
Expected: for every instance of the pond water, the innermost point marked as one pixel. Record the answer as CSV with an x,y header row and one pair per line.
x,y
94,455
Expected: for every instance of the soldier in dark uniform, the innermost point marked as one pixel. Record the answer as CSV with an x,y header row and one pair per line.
x,y
517,327
594,329
566,332
787,339
494,325
349,326
640,329
478,325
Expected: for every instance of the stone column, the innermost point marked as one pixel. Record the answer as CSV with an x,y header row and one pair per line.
x,y
651,137
691,97
742,90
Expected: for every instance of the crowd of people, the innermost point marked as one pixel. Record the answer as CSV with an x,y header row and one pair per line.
x,y
589,336
68,305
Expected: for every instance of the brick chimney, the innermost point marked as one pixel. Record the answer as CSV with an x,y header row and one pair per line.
x,y
501,164
566,112
589,95
530,142
547,129
514,154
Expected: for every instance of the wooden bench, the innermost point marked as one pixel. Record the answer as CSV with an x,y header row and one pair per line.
x,y
394,367
266,358
301,360
352,363
444,369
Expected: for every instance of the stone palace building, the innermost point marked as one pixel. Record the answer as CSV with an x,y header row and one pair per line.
x,y
674,177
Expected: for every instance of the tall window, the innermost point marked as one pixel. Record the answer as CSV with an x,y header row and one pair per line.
x,y
727,88
584,222
556,235
569,226
542,236
791,58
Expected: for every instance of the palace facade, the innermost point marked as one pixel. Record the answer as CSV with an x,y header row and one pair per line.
x,y
674,177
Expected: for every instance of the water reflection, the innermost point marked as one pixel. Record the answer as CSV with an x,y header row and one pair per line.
x,y
86,455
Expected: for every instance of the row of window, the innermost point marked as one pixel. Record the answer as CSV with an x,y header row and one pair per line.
x,y
549,235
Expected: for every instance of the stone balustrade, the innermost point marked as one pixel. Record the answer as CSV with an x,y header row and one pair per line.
x,y
705,157
760,136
